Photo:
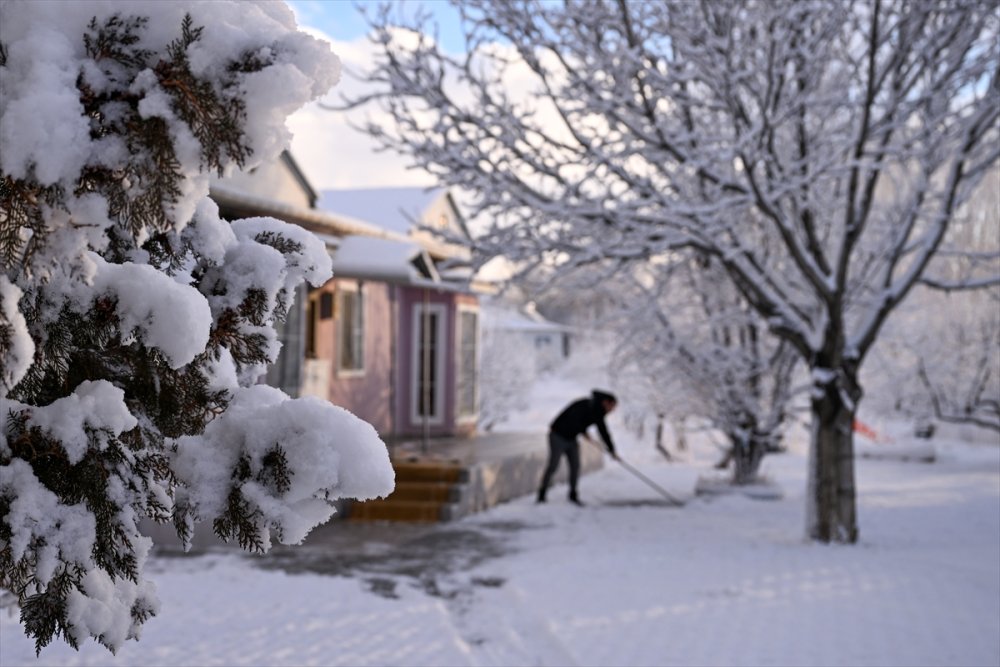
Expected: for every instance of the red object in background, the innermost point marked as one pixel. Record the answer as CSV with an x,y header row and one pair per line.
x,y
869,432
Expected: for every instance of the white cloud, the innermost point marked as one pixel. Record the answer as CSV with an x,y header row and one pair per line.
x,y
335,155
331,152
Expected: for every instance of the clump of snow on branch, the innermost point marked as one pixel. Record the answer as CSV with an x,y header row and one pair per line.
x,y
284,449
16,346
94,407
134,320
177,321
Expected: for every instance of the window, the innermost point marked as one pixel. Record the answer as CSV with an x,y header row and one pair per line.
x,y
325,306
311,328
467,372
351,309
318,307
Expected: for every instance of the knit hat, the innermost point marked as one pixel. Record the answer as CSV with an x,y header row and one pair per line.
x,y
601,396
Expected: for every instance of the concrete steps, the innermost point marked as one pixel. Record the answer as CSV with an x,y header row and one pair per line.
x,y
427,471
459,477
434,492
426,492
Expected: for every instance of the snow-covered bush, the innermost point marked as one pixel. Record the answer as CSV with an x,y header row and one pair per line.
x,y
134,322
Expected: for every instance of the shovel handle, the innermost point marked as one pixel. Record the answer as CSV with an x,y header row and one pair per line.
x,y
659,489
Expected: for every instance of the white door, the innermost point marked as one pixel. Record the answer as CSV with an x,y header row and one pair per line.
x,y
428,369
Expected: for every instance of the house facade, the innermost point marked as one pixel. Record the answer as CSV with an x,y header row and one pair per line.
x,y
431,339
393,336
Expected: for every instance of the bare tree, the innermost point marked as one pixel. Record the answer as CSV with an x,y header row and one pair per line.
x,y
978,401
939,358
685,328
958,337
818,151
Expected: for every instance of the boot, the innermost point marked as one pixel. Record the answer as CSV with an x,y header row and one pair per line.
x,y
541,496
573,498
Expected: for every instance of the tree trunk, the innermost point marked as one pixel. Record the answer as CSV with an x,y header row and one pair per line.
x,y
832,515
659,438
680,433
747,454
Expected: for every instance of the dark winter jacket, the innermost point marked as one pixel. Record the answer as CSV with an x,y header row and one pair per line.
x,y
581,414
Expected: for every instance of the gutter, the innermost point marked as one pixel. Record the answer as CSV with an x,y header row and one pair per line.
x,y
317,221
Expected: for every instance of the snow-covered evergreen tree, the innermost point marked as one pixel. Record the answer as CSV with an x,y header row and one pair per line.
x,y
818,151
134,322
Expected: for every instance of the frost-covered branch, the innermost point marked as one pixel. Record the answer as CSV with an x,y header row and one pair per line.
x,y
958,285
976,408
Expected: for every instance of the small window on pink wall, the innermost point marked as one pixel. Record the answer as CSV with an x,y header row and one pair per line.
x,y
351,329
467,358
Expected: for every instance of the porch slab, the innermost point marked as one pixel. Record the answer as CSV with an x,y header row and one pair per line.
x,y
494,468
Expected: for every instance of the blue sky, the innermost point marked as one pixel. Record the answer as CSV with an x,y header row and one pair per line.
x,y
343,20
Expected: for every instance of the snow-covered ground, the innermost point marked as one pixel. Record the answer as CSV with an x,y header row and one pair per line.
x,y
623,581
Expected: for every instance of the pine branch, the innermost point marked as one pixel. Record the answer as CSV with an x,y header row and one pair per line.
x,y
216,121
22,225
113,465
44,614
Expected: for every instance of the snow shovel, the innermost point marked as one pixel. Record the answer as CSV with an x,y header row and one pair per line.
x,y
659,489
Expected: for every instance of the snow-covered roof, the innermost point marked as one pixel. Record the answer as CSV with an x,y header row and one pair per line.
x,y
360,250
392,209
526,319
382,259
312,219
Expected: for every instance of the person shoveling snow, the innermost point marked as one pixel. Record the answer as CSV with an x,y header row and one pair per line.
x,y
572,422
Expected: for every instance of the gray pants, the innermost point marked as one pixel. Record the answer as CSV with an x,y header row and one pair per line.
x,y
558,445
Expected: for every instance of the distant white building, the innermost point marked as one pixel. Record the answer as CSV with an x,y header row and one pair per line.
x,y
525,329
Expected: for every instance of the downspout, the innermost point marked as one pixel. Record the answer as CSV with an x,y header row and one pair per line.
x,y
425,370
393,370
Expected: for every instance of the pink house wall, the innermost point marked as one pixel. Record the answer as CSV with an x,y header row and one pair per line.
x,y
368,394
382,395
468,427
